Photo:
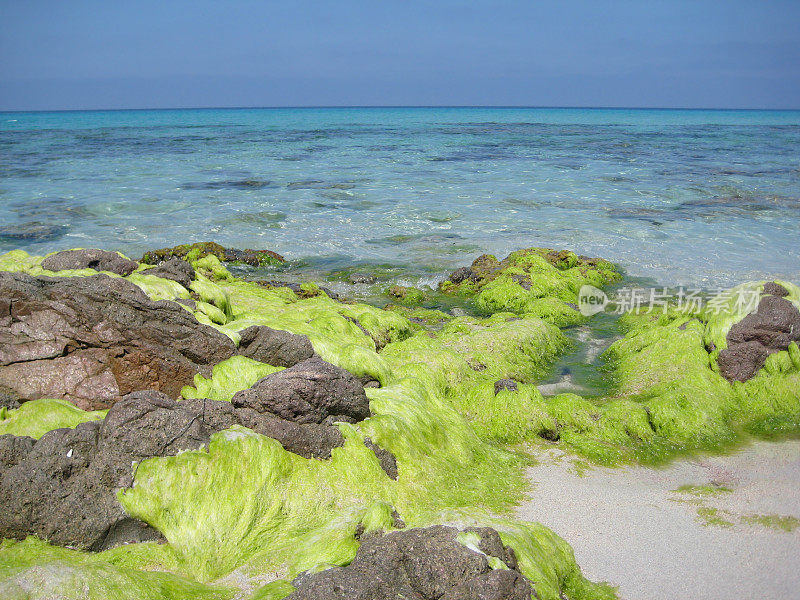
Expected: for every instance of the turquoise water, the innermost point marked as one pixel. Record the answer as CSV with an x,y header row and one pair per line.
x,y
704,198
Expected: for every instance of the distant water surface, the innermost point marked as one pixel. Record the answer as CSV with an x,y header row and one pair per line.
x,y
703,198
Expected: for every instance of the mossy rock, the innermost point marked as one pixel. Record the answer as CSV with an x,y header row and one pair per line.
x,y
406,296
198,250
535,280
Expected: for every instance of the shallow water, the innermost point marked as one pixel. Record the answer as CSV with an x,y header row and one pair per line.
x,y
703,198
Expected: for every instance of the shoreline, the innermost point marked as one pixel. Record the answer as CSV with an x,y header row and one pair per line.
x,y
629,526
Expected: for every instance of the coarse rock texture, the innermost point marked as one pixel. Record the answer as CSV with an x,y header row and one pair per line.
x,y
175,269
63,486
92,258
535,281
91,340
191,252
243,510
312,391
774,325
423,564
274,347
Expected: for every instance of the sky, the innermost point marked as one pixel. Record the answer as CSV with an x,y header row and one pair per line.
x,y
82,54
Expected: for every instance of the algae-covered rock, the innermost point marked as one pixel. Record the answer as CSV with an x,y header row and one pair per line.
x,y
423,564
536,280
256,258
407,296
99,260
92,340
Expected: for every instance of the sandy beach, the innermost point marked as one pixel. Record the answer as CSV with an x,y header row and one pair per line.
x,y
630,526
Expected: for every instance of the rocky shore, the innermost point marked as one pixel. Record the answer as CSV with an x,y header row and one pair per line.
x,y
168,429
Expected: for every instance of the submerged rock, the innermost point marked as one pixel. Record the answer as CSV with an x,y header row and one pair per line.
x,y
274,346
774,325
91,340
175,269
356,278
312,391
33,231
434,563
255,258
91,258
405,295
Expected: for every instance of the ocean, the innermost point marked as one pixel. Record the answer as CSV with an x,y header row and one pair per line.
x,y
681,197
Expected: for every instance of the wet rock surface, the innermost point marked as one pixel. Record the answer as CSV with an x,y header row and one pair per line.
x,y
91,258
274,347
92,340
175,269
255,258
774,325
312,391
421,564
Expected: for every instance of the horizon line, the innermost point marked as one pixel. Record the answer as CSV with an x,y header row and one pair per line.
x,y
397,106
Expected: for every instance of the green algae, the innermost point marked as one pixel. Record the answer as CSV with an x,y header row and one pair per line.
x,y
538,281
785,523
703,491
405,296
227,378
202,250
37,417
714,517
33,570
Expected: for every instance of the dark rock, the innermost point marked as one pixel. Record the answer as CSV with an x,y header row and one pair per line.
x,y
91,258
460,275
505,384
176,270
774,325
386,459
274,346
417,564
32,231
775,289
255,258
9,398
92,340
63,487
355,278
308,392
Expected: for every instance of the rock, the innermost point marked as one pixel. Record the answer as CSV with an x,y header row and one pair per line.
x,y
309,392
176,270
91,258
406,295
9,399
356,278
461,274
505,384
63,487
274,347
255,258
775,289
386,459
34,231
92,340
302,290
774,325
419,564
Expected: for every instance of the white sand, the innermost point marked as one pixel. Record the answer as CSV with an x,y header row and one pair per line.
x,y
627,528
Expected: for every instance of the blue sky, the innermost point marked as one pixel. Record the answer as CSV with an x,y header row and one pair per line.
x,y
158,54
